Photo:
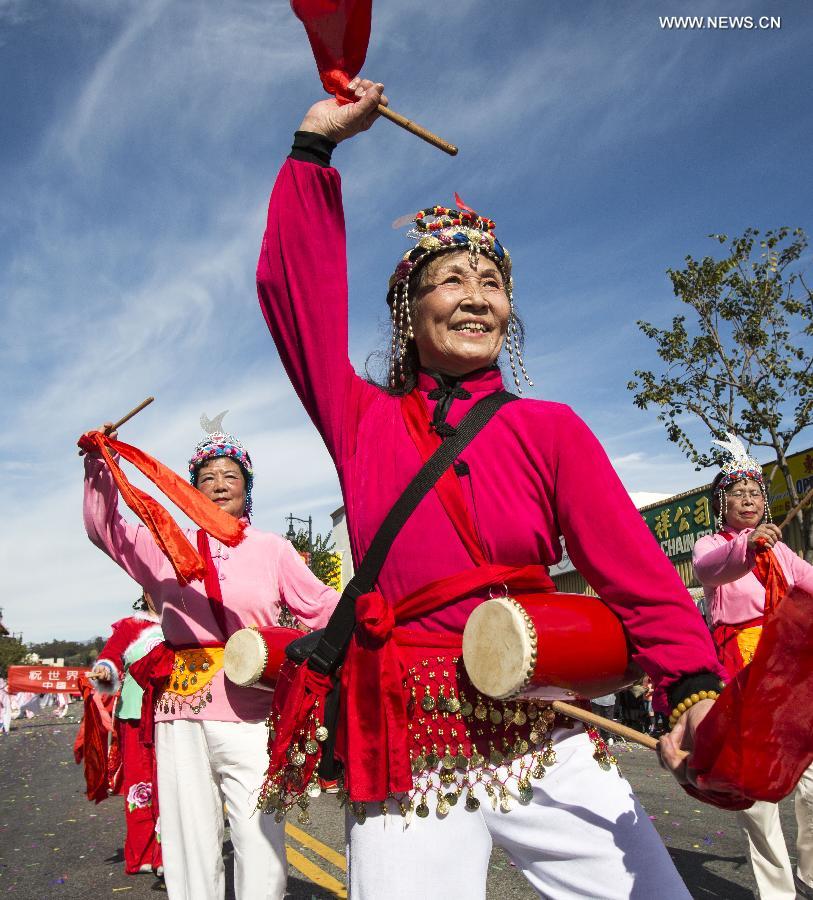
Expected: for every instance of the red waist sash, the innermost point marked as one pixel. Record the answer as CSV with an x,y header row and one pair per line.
x,y
372,734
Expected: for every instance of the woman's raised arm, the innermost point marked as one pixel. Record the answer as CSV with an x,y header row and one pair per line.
x,y
302,272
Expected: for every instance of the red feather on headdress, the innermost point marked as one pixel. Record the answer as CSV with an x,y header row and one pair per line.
x,y
462,206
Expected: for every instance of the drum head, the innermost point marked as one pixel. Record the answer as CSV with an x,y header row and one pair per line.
x,y
244,657
499,648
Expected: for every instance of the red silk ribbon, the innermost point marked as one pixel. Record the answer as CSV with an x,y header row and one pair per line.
x,y
756,740
339,32
91,742
151,673
770,574
187,563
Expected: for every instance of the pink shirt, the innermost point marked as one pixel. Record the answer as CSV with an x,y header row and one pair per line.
x,y
535,472
733,593
255,577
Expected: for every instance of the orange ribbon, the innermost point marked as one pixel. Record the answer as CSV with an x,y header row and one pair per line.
x,y
187,563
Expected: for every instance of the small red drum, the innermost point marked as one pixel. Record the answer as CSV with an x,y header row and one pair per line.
x,y
547,647
254,656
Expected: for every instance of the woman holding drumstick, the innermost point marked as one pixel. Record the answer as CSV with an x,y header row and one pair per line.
x,y
535,472
210,735
737,601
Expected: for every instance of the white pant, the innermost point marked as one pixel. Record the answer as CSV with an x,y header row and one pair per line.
x,y
200,765
582,835
766,843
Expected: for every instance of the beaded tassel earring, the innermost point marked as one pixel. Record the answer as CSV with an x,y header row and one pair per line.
x,y
402,333
766,517
721,505
394,342
513,346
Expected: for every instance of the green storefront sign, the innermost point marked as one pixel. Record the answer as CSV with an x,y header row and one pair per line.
x,y
679,522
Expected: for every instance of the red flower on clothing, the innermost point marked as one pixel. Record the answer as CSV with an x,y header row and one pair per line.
x,y
139,795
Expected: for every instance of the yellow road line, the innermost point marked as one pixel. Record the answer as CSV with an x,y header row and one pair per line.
x,y
307,840
315,874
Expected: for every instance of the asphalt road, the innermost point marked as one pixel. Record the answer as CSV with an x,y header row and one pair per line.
x,y
54,843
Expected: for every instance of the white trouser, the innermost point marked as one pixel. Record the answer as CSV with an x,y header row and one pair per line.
x,y
582,835
201,764
766,843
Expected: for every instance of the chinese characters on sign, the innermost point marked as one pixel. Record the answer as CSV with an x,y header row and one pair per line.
x,y
679,523
44,679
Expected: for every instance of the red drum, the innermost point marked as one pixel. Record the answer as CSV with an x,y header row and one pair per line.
x,y
253,657
548,647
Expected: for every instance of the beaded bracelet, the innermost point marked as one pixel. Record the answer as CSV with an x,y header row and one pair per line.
x,y
681,708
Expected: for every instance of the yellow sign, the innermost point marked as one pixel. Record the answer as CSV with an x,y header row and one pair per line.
x,y
801,470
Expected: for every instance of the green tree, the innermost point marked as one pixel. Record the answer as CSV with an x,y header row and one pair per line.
x,y
324,561
12,653
75,653
739,358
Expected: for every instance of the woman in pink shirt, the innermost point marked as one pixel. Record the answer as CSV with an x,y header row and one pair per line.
x,y
534,473
210,735
725,564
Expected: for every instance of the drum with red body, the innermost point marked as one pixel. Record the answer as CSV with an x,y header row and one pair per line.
x,y
253,657
546,646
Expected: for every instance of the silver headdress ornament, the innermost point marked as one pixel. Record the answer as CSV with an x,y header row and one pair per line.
x,y
220,443
740,465
211,426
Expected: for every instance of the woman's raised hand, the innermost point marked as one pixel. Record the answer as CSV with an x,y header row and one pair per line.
x,y
107,429
339,122
766,534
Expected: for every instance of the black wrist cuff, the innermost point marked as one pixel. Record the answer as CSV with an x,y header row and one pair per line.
x,y
313,148
692,684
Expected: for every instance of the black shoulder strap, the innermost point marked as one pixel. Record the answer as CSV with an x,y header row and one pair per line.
x,y
332,645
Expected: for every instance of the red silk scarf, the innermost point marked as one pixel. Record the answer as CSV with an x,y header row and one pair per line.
x,y
91,745
187,563
339,32
757,738
768,573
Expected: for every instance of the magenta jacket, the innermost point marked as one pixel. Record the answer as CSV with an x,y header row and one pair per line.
x,y
255,577
535,472
733,593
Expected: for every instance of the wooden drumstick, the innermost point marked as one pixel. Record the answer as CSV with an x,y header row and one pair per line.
x,y
583,715
128,416
417,130
133,412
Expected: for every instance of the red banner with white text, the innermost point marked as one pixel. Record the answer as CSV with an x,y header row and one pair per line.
x,y
44,679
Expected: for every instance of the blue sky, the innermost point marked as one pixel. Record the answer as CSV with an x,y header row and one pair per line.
x,y
140,140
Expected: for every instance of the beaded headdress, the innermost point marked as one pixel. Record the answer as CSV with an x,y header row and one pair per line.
x,y
220,443
436,230
738,465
